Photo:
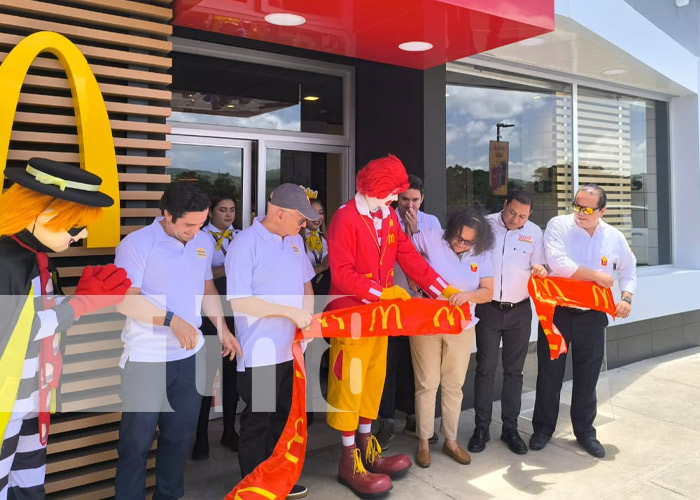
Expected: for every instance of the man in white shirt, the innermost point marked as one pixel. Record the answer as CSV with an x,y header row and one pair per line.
x,y
268,279
583,247
398,363
169,264
516,254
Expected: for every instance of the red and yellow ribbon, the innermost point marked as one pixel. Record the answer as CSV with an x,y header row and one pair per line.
x,y
548,293
275,477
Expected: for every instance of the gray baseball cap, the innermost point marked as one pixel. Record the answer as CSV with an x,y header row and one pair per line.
x,y
293,197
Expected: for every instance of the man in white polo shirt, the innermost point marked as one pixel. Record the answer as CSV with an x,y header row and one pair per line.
x,y
268,278
583,247
516,254
398,384
169,264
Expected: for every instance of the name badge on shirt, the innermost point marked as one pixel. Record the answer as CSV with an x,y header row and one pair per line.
x,y
201,253
525,237
295,248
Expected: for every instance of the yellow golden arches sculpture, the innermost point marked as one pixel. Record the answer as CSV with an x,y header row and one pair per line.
x,y
95,140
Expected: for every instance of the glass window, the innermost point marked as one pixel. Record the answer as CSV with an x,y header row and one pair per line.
x,y
215,91
617,138
534,124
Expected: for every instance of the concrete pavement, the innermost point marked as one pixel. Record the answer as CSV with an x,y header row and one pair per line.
x,y
648,421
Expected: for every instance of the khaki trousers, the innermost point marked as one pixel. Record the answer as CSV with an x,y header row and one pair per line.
x,y
440,361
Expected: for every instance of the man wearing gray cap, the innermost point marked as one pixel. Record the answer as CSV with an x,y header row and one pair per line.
x,y
268,280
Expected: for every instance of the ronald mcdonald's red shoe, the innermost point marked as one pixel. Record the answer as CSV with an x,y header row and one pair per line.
x,y
352,473
374,461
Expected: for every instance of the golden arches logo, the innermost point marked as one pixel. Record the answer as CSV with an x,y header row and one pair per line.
x,y
391,239
449,314
295,439
385,316
547,282
95,140
600,293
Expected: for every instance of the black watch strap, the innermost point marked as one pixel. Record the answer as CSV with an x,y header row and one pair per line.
x,y
168,318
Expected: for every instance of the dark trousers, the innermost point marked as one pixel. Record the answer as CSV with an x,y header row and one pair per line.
x,y
229,391
584,332
163,396
399,389
513,327
267,393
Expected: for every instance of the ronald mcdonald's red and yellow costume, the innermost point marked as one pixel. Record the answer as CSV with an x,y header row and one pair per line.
x,y
365,239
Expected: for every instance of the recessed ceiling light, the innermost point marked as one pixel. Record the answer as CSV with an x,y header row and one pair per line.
x,y
285,19
311,98
230,106
612,72
416,46
531,42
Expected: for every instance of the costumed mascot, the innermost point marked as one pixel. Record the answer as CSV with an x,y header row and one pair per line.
x,y
364,241
45,210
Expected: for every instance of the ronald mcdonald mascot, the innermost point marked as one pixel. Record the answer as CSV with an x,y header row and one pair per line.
x,y
364,241
45,210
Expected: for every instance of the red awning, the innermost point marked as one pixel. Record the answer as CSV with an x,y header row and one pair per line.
x,y
374,29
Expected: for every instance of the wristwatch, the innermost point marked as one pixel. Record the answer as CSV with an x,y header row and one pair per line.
x,y
168,318
627,299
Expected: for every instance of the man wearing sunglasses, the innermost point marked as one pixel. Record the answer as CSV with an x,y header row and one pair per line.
x,y
517,253
581,246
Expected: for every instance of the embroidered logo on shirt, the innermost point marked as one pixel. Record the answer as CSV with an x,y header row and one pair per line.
x,y
525,237
201,253
604,261
473,267
295,248
391,239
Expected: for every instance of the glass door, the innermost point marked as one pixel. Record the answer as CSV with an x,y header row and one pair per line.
x,y
217,164
322,168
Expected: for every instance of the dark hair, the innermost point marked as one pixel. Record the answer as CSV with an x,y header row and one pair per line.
x,y
416,182
182,197
472,218
595,188
521,197
220,196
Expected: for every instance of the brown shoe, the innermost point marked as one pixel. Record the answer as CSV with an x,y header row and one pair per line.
x,y
423,458
458,454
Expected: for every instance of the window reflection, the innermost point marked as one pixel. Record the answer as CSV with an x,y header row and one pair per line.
x,y
539,146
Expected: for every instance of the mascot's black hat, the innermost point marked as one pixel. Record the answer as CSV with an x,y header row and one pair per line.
x,y
60,181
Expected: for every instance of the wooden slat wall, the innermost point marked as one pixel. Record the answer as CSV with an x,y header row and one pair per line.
x,y
126,43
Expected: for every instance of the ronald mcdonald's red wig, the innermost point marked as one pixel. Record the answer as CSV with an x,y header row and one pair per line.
x,y
382,177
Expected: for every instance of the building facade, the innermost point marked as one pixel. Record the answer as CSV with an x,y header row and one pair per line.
x,y
218,99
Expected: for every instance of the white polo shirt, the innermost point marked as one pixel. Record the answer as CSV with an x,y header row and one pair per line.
x,y
274,269
513,255
567,246
219,255
172,276
424,223
461,271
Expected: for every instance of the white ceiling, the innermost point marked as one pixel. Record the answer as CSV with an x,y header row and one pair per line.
x,y
573,50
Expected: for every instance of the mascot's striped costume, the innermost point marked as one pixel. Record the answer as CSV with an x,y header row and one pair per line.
x,y
45,210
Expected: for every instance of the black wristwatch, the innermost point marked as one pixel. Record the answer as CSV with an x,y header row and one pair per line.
x,y
168,318
627,299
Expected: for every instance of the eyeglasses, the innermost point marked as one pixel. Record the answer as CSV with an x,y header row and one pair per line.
x,y
586,210
459,239
300,222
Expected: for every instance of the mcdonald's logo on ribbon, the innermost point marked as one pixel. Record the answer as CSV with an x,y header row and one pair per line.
x,y
600,293
385,317
449,314
95,140
549,282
